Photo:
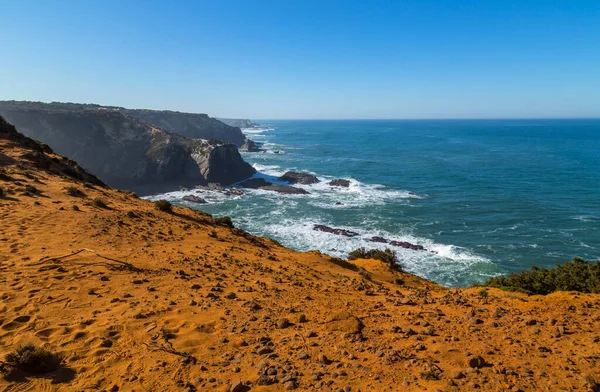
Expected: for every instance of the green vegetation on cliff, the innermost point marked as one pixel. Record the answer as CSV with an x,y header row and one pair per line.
x,y
576,275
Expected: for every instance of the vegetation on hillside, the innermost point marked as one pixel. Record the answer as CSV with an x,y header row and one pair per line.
x,y
30,359
576,275
164,205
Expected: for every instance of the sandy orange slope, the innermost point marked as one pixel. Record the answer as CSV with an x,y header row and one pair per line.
x,y
136,299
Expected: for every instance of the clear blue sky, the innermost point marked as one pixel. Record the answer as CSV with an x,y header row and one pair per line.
x,y
308,59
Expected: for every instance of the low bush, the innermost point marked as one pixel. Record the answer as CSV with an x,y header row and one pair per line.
x,y
483,293
576,275
100,202
30,359
164,205
30,189
387,256
224,221
74,191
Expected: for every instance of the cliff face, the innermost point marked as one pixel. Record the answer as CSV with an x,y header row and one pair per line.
x,y
240,123
194,125
129,153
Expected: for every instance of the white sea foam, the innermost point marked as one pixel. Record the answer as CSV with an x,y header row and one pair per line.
x,y
177,196
254,131
440,259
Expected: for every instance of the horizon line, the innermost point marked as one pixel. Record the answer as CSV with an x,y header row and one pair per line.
x,y
417,119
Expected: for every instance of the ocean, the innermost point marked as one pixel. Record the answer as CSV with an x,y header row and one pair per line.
x,y
484,197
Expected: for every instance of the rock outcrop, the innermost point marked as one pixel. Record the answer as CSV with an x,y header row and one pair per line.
x,y
193,199
299,178
340,183
126,152
401,244
260,183
336,231
250,146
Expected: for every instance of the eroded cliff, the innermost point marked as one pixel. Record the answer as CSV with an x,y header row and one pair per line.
x,y
126,152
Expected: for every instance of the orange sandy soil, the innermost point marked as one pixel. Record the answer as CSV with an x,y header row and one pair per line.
x,y
163,306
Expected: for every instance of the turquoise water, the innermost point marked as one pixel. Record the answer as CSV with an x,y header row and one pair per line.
x,y
483,196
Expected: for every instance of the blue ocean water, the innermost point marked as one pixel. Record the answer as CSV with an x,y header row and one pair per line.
x,y
483,196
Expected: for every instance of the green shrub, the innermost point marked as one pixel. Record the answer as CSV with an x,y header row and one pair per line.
x,y
224,221
483,293
164,205
74,191
387,256
100,202
30,359
576,275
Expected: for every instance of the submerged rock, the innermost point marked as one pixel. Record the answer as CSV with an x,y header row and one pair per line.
x,y
332,230
340,182
299,178
193,199
379,239
407,245
260,183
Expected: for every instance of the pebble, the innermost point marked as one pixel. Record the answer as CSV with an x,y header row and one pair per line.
x,y
237,386
476,362
283,323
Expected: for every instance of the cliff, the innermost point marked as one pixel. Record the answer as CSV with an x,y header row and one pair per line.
x,y
193,125
126,152
239,123
131,297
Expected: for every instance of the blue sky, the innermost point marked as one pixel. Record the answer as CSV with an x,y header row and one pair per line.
x,y
308,59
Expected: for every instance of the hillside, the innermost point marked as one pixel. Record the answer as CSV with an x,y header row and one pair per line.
x,y
126,152
137,299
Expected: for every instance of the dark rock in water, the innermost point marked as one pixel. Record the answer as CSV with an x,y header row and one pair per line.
x,y
379,239
339,203
332,230
407,245
254,183
218,188
340,182
299,178
193,199
286,189
234,192
261,183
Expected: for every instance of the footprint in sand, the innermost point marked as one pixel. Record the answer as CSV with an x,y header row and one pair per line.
x,y
16,323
